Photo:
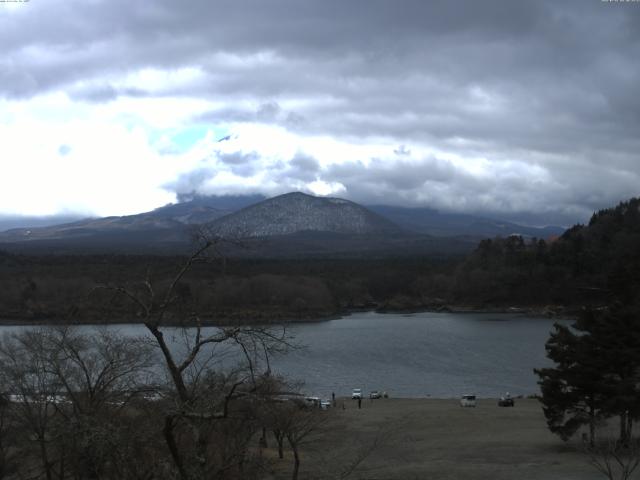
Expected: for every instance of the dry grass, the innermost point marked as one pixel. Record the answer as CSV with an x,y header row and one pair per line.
x,y
438,439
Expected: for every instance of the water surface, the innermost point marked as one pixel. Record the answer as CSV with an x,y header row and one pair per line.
x,y
422,354
416,355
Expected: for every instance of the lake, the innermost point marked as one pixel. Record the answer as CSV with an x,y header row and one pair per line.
x,y
415,355
435,354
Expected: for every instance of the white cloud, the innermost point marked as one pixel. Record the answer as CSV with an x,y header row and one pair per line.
x,y
109,167
504,107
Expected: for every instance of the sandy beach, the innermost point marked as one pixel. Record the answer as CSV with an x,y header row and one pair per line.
x,y
438,439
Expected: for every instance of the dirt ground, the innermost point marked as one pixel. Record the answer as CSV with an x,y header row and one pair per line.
x,y
438,439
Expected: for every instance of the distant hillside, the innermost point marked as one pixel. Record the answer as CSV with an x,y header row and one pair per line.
x,y
163,229
597,263
288,226
296,224
297,212
8,222
434,222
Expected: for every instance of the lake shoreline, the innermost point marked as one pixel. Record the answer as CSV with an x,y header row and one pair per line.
x,y
547,311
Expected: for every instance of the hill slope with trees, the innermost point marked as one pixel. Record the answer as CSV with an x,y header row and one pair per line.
x,y
589,264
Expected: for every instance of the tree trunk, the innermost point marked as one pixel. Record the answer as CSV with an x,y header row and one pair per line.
x,y
174,371
280,441
592,426
173,447
296,461
625,428
45,458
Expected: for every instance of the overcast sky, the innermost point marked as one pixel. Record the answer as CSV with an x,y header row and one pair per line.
x,y
112,107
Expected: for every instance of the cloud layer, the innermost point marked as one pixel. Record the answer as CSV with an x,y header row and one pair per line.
x,y
499,107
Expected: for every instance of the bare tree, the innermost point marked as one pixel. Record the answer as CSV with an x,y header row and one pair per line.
x,y
8,457
33,392
100,369
204,403
67,393
100,373
615,460
299,424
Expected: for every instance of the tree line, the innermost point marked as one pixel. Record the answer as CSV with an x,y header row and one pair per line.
x,y
94,404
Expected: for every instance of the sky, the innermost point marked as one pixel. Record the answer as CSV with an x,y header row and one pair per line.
x,y
525,110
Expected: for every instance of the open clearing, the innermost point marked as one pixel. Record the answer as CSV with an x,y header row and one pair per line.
x,y
438,439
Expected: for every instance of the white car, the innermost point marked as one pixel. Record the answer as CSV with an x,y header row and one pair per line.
x,y
356,393
468,401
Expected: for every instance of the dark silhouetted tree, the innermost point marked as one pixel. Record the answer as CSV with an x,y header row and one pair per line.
x,y
596,374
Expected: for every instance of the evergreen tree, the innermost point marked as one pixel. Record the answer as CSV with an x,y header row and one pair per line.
x,y
615,337
596,375
571,391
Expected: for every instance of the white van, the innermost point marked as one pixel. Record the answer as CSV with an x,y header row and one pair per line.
x,y
468,401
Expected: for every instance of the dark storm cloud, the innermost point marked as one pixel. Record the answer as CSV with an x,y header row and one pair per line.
x,y
193,181
238,158
544,83
269,112
241,164
104,93
197,179
301,167
403,176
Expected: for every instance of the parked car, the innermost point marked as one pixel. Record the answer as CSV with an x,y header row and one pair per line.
x,y
325,404
356,393
506,402
375,394
468,401
312,402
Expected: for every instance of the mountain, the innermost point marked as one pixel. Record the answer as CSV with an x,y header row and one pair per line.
x,y
298,212
168,224
434,222
294,224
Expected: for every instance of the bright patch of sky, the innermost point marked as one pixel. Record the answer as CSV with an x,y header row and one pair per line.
x,y
112,108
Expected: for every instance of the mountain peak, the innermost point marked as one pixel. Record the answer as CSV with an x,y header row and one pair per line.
x,y
296,212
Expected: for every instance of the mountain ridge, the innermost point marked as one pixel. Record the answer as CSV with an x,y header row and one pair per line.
x,y
290,220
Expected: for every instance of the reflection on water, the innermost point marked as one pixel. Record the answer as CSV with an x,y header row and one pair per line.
x,y
436,354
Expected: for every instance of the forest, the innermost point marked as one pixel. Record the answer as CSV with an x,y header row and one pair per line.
x,y
587,266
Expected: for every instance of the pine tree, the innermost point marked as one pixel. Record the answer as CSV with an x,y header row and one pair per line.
x,y
597,373
572,393
614,334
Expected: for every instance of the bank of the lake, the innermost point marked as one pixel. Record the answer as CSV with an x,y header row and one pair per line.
x,y
273,317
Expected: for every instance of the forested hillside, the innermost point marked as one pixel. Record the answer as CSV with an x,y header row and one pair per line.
x,y
588,265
